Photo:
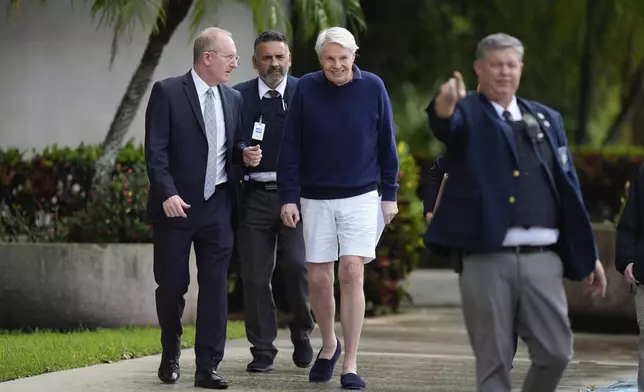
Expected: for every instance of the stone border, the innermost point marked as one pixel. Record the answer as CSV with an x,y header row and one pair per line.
x,y
81,285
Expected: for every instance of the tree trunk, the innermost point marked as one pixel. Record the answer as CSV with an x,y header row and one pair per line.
x,y
638,125
586,79
630,104
168,19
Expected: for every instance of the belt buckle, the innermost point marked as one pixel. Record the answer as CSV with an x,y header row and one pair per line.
x,y
271,187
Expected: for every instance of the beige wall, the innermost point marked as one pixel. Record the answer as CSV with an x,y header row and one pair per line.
x,y
55,81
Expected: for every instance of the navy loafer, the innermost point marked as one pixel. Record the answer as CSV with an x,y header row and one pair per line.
x,y
352,381
322,369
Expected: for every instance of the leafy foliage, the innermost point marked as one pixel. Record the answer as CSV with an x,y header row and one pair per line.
x,y
45,197
400,248
557,36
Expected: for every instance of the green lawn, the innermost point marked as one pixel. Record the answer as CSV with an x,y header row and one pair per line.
x,y
30,354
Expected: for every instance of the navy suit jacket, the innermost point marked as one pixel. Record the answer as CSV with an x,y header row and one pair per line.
x,y
176,147
475,210
250,110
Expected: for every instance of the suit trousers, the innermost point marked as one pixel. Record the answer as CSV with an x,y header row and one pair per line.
x,y
264,243
507,292
213,243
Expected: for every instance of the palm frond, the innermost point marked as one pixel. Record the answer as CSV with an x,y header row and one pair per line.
x,y
270,15
354,16
316,15
14,5
123,16
200,10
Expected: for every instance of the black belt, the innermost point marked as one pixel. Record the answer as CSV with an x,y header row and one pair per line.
x,y
270,186
528,248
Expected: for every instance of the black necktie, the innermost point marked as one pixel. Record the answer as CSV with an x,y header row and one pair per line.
x,y
273,93
507,115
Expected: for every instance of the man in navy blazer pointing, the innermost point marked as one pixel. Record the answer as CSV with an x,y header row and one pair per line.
x,y
513,213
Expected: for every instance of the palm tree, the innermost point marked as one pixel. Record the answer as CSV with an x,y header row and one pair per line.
x,y
123,15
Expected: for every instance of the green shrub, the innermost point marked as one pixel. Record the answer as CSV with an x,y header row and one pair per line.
x,y
401,247
46,197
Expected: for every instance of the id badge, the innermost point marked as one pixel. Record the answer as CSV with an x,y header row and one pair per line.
x,y
563,157
258,131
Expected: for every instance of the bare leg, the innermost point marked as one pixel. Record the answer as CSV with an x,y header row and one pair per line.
x,y
352,308
320,276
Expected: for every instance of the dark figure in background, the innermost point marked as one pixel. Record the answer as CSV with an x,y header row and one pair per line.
x,y
512,209
629,257
264,241
190,128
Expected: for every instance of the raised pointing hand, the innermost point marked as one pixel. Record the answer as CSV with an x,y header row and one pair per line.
x,y
450,93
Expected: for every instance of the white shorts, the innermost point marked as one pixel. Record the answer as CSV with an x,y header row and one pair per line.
x,y
348,224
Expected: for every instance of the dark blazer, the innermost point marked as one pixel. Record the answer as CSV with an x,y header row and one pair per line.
x,y
176,146
250,110
629,240
475,209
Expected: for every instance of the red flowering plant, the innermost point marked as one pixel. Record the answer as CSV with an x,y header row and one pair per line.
x,y
45,196
115,212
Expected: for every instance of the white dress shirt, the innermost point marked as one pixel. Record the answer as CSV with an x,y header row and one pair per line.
x,y
202,88
516,236
263,90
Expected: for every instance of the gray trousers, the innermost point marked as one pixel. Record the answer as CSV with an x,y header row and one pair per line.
x,y
264,243
507,292
639,307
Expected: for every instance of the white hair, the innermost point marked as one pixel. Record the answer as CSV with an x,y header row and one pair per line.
x,y
338,35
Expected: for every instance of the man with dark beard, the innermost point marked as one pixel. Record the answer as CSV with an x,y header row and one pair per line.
x,y
263,240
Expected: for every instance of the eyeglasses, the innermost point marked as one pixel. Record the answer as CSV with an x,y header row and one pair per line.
x,y
230,57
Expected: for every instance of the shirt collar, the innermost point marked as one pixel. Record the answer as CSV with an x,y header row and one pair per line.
x,y
513,108
357,74
201,86
263,88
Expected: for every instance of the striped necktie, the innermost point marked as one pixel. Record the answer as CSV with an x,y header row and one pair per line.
x,y
210,121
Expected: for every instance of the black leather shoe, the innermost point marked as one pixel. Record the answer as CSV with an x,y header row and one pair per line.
x,y
169,369
260,364
209,379
303,354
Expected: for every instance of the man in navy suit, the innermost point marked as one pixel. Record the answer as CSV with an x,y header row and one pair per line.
x,y
264,242
513,212
190,127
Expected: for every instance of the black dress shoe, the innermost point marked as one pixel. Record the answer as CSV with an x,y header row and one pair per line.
x,y
260,364
303,354
169,369
209,379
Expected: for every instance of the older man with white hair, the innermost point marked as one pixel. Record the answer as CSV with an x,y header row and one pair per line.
x,y
338,149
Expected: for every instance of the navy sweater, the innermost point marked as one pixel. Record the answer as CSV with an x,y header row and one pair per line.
x,y
338,141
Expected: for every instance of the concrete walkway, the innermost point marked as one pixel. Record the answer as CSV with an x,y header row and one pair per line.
x,y
422,350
